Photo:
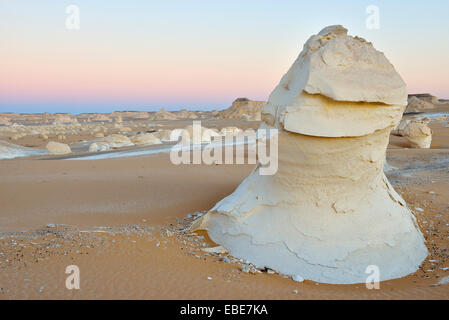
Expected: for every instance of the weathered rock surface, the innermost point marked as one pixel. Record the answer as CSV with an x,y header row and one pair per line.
x,y
10,151
417,105
427,97
342,68
163,115
118,141
164,135
5,122
400,127
243,109
328,212
99,146
418,134
186,114
58,148
63,119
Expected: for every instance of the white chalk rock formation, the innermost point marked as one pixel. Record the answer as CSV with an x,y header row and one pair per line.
x,y
417,105
99,146
328,212
418,134
4,121
400,127
118,141
204,135
145,139
58,148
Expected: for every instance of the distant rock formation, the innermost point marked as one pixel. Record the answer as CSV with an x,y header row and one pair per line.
x,y
4,121
185,114
117,116
98,117
117,141
99,146
164,135
163,115
243,109
205,135
141,115
118,119
10,151
64,119
425,97
418,134
400,127
145,139
416,104
58,148
230,131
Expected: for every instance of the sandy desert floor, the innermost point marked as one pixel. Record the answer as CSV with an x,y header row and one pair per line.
x,y
124,223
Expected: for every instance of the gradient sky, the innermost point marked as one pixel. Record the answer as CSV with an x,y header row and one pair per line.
x,y
143,55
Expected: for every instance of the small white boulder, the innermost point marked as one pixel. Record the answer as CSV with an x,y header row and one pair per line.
x,y
58,148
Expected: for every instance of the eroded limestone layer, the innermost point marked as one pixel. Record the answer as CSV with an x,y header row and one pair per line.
x,y
318,218
329,212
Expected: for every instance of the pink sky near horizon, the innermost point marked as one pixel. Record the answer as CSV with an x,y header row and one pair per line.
x,y
157,56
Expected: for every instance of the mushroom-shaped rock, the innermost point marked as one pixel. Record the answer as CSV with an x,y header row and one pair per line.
x,y
58,148
328,212
418,134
